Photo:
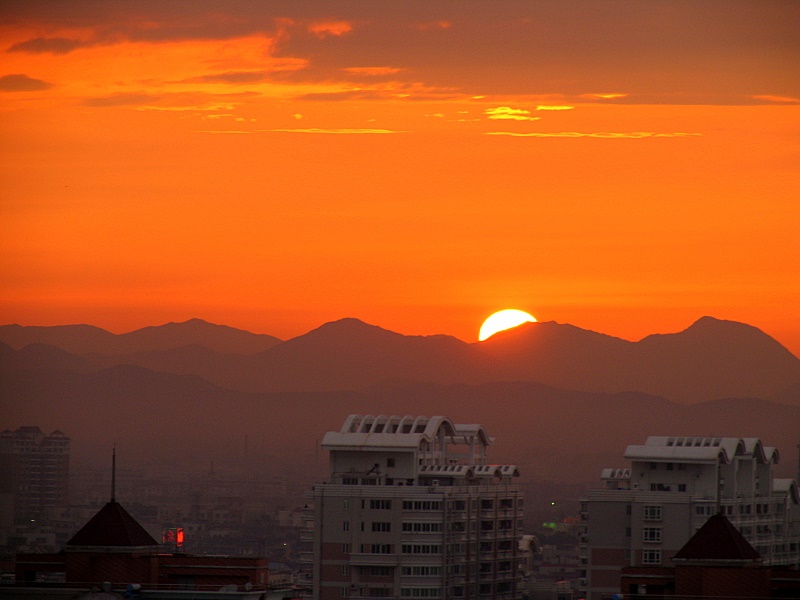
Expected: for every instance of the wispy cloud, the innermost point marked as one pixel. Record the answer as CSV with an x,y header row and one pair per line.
x,y
636,135
323,29
223,131
778,99
553,107
233,77
373,71
333,131
56,45
511,114
19,82
612,96
130,99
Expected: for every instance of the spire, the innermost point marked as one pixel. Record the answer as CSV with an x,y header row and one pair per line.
x,y
114,473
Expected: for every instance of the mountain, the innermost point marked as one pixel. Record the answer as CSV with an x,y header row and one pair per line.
x,y
551,433
349,355
709,360
87,339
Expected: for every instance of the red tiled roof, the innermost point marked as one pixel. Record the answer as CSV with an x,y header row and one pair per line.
x,y
717,539
112,526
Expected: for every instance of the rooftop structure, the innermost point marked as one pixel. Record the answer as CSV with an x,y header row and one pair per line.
x,y
413,509
646,513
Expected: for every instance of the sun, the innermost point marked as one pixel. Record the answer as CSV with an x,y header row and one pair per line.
x,y
502,320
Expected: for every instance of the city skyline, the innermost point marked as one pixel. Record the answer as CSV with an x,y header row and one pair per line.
x,y
626,168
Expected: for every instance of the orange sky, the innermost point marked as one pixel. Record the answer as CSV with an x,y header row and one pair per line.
x,y
625,167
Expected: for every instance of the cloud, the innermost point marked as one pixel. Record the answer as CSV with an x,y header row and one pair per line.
x,y
778,99
553,107
57,45
323,29
603,96
636,135
229,131
508,113
19,82
434,25
131,99
234,77
373,71
333,131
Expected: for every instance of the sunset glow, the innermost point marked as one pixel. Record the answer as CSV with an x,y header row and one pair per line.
x,y
502,320
273,166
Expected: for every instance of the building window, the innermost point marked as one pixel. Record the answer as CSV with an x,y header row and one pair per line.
x,y
376,571
345,548
653,466
345,569
416,592
345,592
345,525
389,462
381,527
651,534
380,504
670,467
628,509
422,549
651,557
421,571
376,548
652,513
346,504
421,505
627,532
426,527
681,487
349,480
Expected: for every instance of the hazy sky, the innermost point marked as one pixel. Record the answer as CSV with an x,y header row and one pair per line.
x,y
624,166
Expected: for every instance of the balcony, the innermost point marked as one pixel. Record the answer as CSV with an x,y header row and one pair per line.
x,y
367,560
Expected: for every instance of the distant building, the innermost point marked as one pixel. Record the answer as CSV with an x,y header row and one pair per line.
x,y
112,547
646,513
34,483
716,562
413,509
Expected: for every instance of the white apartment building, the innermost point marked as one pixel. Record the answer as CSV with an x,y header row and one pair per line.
x,y
647,512
412,509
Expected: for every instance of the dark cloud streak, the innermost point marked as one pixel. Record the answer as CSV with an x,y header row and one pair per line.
x,y
52,45
19,82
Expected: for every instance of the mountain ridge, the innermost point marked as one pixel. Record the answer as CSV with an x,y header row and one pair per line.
x,y
710,359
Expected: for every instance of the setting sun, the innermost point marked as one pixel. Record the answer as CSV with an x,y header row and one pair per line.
x,y
502,320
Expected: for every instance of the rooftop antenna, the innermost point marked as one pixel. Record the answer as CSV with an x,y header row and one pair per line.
x,y
114,473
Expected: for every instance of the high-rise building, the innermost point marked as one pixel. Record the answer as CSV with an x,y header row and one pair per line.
x,y
412,509
647,512
34,472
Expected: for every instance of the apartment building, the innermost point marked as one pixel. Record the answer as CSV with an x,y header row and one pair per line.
x,y
413,509
646,513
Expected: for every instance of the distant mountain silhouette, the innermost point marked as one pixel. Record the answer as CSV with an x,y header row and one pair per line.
x,y
551,433
711,359
87,339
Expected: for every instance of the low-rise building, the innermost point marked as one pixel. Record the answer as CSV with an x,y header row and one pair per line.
x,y
647,512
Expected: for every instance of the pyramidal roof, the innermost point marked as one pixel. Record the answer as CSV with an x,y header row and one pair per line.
x,y
717,540
112,526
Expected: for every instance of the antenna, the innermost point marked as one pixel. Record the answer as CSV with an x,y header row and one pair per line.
x,y
113,473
